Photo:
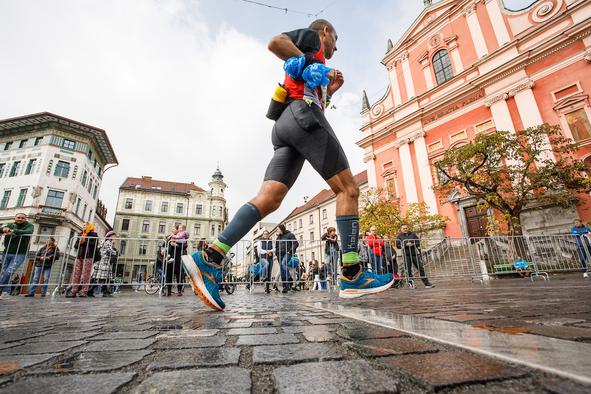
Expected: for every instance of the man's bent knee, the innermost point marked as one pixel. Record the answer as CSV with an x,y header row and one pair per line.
x,y
351,191
270,196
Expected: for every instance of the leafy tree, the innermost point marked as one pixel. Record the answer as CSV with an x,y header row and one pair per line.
x,y
511,171
377,210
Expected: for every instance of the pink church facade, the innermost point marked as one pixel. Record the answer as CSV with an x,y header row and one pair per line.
x,y
471,66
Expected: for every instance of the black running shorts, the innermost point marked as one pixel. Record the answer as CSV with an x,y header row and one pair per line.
x,y
303,133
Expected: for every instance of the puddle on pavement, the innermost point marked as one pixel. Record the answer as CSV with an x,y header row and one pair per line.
x,y
8,368
504,330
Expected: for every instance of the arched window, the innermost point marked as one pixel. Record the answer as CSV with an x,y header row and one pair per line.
x,y
587,162
442,67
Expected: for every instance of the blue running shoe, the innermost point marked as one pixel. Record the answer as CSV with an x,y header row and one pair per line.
x,y
386,278
364,283
205,279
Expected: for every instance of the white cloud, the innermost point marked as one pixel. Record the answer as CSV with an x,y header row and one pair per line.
x,y
173,97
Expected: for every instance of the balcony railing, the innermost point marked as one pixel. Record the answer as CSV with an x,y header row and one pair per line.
x,y
52,211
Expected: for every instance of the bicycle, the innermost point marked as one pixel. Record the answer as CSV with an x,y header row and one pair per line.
x,y
229,280
229,284
154,283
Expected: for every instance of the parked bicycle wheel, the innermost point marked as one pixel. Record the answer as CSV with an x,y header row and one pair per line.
x,y
230,285
152,285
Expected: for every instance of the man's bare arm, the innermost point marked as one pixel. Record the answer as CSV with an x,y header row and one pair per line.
x,y
282,46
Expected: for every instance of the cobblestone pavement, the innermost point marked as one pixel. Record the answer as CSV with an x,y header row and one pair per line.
x,y
279,343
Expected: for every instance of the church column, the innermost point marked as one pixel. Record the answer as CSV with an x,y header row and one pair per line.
x,y
498,23
455,55
408,176
410,88
370,162
394,85
529,112
475,30
426,64
425,173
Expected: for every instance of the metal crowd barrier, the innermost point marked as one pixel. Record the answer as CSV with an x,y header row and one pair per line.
x,y
153,265
27,266
294,265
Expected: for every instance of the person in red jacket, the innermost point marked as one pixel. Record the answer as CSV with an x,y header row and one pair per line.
x,y
376,250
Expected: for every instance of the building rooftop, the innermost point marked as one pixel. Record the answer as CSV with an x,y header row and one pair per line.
x,y
44,120
147,183
323,196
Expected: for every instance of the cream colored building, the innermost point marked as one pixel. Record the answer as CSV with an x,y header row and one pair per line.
x,y
51,169
147,210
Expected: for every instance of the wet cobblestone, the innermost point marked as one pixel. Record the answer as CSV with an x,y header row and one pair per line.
x,y
134,343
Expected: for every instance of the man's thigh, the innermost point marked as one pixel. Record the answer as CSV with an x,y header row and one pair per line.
x,y
305,129
285,166
20,259
12,262
322,149
8,259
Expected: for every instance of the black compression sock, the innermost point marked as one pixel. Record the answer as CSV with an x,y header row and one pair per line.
x,y
214,256
349,271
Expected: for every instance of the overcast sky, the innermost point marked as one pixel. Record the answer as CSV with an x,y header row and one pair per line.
x,y
180,85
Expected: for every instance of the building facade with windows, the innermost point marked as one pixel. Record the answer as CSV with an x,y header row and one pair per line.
x,y
475,66
148,209
51,169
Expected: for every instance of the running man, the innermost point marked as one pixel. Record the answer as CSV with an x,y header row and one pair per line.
x,y
301,133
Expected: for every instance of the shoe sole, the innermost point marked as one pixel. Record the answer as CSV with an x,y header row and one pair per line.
x,y
197,283
355,293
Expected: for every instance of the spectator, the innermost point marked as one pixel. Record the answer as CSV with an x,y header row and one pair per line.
x,y
173,265
316,276
363,253
17,236
87,254
375,246
331,251
285,246
101,274
182,241
522,267
390,262
582,236
310,275
202,245
302,276
322,276
257,272
265,253
293,266
410,244
114,262
138,280
182,238
160,261
43,261
117,282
